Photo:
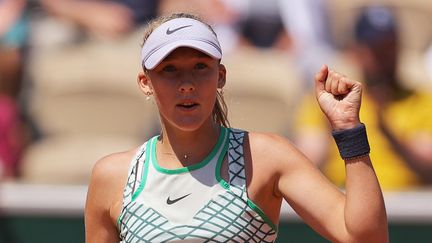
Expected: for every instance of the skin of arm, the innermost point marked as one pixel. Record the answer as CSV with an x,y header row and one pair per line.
x,y
105,197
359,215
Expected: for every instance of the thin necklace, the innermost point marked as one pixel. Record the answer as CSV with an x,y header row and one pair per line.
x,y
185,156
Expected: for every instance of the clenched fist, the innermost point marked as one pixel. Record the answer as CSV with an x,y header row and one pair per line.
x,y
339,98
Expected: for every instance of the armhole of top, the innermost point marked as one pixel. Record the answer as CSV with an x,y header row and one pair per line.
x,y
142,176
218,169
133,178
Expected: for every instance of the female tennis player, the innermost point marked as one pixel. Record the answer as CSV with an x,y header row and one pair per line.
x,y
202,181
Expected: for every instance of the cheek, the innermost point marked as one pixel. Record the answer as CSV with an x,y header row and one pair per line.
x,y
162,96
162,99
211,99
209,90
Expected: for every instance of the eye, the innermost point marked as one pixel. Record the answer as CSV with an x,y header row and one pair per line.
x,y
200,66
169,68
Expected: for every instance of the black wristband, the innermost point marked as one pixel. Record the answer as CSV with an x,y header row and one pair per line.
x,y
352,143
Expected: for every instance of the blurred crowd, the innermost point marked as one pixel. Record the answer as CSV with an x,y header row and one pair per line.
x,y
68,91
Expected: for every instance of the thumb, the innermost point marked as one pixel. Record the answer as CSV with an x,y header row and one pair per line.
x,y
320,79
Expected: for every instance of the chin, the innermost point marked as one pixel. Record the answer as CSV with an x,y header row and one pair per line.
x,y
188,123
189,126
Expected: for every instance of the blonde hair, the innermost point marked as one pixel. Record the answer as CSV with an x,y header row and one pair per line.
x,y
220,109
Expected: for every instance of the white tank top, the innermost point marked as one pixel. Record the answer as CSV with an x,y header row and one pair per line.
x,y
192,204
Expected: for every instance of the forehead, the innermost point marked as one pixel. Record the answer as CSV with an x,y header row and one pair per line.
x,y
185,52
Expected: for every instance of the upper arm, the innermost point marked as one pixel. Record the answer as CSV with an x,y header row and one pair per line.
x,y
104,191
317,201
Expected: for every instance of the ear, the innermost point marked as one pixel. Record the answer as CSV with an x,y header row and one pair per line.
x,y
222,76
144,83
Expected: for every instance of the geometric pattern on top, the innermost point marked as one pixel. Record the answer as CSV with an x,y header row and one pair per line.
x,y
229,217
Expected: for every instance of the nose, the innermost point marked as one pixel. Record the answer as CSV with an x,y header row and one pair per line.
x,y
186,85
187,88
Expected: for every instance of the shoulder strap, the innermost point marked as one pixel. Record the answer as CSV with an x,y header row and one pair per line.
x,y
237,175
134,174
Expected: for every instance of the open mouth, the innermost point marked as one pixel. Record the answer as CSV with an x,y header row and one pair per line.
x,y
187,105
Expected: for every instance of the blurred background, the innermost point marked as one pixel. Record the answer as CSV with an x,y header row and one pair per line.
x,y
68,96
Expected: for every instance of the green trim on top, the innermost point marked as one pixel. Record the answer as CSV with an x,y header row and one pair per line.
x,y
262,214
145,170
119,218
191,167
219,178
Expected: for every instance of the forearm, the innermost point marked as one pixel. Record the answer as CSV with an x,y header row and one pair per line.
x,y
364,213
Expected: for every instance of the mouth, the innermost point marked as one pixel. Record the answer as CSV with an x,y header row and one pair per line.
x,y
187,105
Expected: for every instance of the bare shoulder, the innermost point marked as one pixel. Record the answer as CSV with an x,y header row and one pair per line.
x,y
277,153
113,167
262,138
104,196
271,145
281,161
272,157
108,178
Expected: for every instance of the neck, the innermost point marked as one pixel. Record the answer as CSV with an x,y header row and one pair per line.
x,y
178,148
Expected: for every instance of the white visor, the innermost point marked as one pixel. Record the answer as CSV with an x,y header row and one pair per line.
x,y
176,33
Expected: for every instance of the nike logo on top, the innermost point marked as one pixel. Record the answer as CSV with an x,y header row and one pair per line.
x,y
171,201
169,32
